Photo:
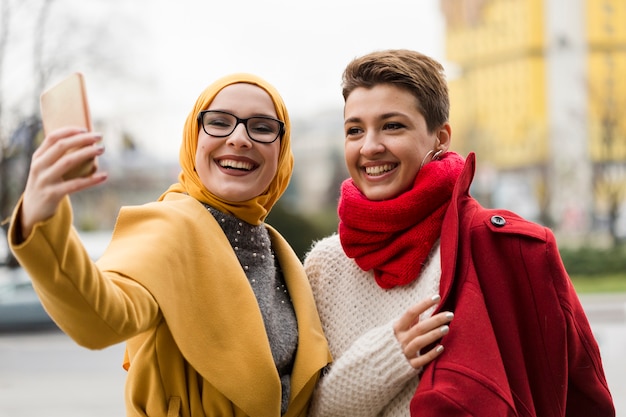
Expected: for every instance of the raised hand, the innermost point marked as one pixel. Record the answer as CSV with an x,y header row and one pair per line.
x,y
46,186
415,334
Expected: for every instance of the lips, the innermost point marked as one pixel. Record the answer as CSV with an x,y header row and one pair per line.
x,y
237,164
377,170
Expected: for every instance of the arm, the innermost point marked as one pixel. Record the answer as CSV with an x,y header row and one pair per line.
x,y
365,378
588,392
95,309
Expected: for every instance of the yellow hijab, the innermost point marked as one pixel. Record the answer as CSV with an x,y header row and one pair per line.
x,y
252,211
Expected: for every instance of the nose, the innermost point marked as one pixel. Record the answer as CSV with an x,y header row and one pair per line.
x,y
372,144
239,137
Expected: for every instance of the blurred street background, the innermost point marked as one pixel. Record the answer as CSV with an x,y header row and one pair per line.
x,y
43,373
537,90
536,86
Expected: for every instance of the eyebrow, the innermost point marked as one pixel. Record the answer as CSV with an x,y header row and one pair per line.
x,y
253,115
381,117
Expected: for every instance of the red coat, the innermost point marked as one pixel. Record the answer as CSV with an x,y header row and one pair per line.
x,y
520,343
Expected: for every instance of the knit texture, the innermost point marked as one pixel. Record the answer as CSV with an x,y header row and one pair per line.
x,y
370,375
393,237
253,248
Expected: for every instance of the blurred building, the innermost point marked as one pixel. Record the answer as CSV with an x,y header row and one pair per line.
x,y
136,177
537,89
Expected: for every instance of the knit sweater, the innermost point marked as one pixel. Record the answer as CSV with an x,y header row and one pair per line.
x,y
370,375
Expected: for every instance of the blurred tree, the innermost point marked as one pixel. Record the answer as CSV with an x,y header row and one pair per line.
x,y
609,177
4,38
609,147
18,146
298,230
39,41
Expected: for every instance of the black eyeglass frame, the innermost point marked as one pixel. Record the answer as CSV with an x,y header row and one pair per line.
x,y
239,120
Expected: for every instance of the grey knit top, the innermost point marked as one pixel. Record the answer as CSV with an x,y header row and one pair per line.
x,y
253,248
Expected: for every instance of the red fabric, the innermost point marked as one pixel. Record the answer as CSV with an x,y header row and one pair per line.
x,y
394,237
520,344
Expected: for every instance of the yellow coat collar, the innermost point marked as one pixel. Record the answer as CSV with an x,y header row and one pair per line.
x,y
176,249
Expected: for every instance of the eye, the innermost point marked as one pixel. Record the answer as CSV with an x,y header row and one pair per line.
x,y
263,126
393,126
353,131
218,121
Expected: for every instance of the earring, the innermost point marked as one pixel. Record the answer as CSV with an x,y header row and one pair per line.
x,y
424,160
437,155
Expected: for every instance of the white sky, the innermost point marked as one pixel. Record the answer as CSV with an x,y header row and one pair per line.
x,y
174,49
300,47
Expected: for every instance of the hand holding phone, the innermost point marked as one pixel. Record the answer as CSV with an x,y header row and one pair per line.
x,y
63,105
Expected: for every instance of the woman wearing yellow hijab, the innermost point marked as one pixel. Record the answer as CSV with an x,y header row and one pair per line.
x,y
214,305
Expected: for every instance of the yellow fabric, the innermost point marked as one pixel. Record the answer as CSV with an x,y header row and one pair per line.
x,y
255,210
206,346
62,273
171,286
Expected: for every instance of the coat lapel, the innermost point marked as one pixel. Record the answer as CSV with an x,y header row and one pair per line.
x,y
450,230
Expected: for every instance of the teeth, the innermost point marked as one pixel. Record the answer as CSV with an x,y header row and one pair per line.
x,y
229,163
379,169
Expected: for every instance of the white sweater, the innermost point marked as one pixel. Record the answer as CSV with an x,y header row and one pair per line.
x,y
369,376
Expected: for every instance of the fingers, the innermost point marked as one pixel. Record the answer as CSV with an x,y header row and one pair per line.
x,y
56,136
63,150
415,335
427,357
411,316
427,333
60,152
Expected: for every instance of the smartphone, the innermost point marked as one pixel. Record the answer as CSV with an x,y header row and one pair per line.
x,y
65,104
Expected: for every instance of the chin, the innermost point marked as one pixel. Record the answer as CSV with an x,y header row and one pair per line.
x,y
233,196
376,196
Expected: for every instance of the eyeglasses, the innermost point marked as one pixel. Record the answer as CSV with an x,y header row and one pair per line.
x,y
220,124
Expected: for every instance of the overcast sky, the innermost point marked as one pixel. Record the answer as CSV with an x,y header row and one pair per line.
x,y
299,46
174,49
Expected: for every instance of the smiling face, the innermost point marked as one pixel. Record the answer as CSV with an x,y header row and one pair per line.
x,y
386,140
235,168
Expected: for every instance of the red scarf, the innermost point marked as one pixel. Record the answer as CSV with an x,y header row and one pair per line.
x,y
394,237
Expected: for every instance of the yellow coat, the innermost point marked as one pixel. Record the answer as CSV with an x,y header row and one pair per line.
x,y
171,285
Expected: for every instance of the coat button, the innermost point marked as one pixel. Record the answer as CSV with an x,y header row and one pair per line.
x,y
498,221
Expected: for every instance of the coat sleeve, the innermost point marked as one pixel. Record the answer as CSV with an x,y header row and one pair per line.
x,y
587,391
95,309
551,316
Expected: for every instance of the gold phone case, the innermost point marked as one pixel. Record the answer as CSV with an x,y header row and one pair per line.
x,y
65,104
